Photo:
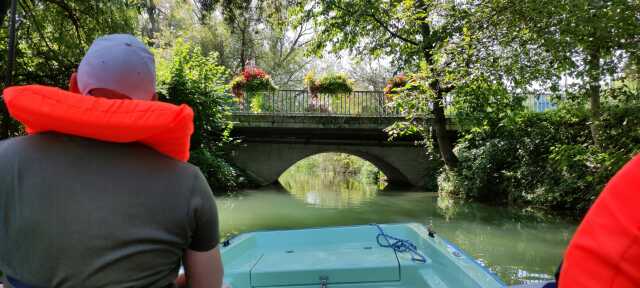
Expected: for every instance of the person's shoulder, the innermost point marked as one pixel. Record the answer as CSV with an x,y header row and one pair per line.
x,y
187,168
6,145
196,178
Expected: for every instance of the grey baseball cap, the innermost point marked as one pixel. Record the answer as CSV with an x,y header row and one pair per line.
x,y
119,62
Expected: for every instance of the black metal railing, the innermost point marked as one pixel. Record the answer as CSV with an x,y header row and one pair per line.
x,y
356,103
365,103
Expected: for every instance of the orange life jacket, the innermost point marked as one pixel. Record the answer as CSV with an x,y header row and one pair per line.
x,y
605,250
162,126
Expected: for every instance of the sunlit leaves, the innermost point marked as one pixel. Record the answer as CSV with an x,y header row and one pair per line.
x,y
187,76
53,35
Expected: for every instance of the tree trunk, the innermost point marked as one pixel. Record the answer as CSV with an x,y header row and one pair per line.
x,y
439,121
439,124
243,59
593,69
151,12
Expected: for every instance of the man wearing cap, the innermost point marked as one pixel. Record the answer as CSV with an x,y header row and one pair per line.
x,y
99,194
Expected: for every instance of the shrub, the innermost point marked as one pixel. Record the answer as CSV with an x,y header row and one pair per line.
x,y
220,175
188,77
544,159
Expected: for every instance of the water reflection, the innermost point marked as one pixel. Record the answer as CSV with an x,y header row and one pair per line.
x,y
328,190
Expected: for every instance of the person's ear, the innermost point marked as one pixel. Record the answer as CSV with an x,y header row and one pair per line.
x,y
73,83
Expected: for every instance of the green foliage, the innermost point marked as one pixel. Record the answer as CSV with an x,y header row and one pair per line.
x,y
413,100
259,84
53,35
332,180
339,165
221,176
483,104
544,41
188,77
543,159
258,103
379,27
335,83
310,82
245,32
330,83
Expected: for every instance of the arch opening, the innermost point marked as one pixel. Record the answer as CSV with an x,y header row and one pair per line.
x,y
333,180
264,163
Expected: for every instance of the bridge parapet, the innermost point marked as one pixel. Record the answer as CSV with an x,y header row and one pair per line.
x,y
356,103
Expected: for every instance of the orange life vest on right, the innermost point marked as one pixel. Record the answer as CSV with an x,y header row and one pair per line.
x,y
605,250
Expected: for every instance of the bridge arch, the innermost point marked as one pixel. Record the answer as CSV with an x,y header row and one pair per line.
x,y
392,173
266,162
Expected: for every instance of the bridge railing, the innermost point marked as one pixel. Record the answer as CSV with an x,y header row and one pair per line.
x,y
356,103
363,103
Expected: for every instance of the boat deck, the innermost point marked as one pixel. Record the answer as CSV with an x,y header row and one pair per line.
x,y
348,257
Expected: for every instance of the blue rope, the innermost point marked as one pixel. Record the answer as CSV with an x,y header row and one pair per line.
x,y
399,245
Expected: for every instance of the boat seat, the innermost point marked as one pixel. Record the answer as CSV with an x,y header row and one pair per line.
x,y
332,264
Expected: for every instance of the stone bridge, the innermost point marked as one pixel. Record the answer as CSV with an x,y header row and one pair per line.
x,y
280,128
273,143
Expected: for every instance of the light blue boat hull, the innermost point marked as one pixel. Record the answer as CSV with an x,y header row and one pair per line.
x,y
348,257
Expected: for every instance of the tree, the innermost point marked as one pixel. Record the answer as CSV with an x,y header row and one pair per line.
x,y
410,31
52,36
180,20
149,20
244,18
284,44
583,39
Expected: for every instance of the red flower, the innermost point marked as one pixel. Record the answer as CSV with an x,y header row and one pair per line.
x,y
251,73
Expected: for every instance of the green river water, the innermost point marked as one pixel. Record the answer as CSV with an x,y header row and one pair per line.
x,y
519,246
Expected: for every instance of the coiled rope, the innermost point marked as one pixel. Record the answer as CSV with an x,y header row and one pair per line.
x,y
399,245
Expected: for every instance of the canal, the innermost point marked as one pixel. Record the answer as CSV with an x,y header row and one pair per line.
x,y
520,246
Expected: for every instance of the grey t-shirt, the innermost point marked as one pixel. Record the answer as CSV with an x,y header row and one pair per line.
x,y
76,212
